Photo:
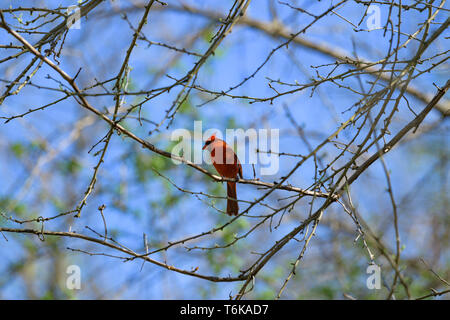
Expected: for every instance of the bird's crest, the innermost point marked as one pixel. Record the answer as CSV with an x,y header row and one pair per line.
x,y
209,140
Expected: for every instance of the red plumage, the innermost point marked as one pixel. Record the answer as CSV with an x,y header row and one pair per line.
x,y
227,165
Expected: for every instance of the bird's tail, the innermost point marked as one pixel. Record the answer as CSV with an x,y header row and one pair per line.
x,y
232,205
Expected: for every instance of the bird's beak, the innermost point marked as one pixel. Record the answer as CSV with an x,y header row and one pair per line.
x,y
204,147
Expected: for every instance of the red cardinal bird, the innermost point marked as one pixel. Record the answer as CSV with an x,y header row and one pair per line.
x,y
227,165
